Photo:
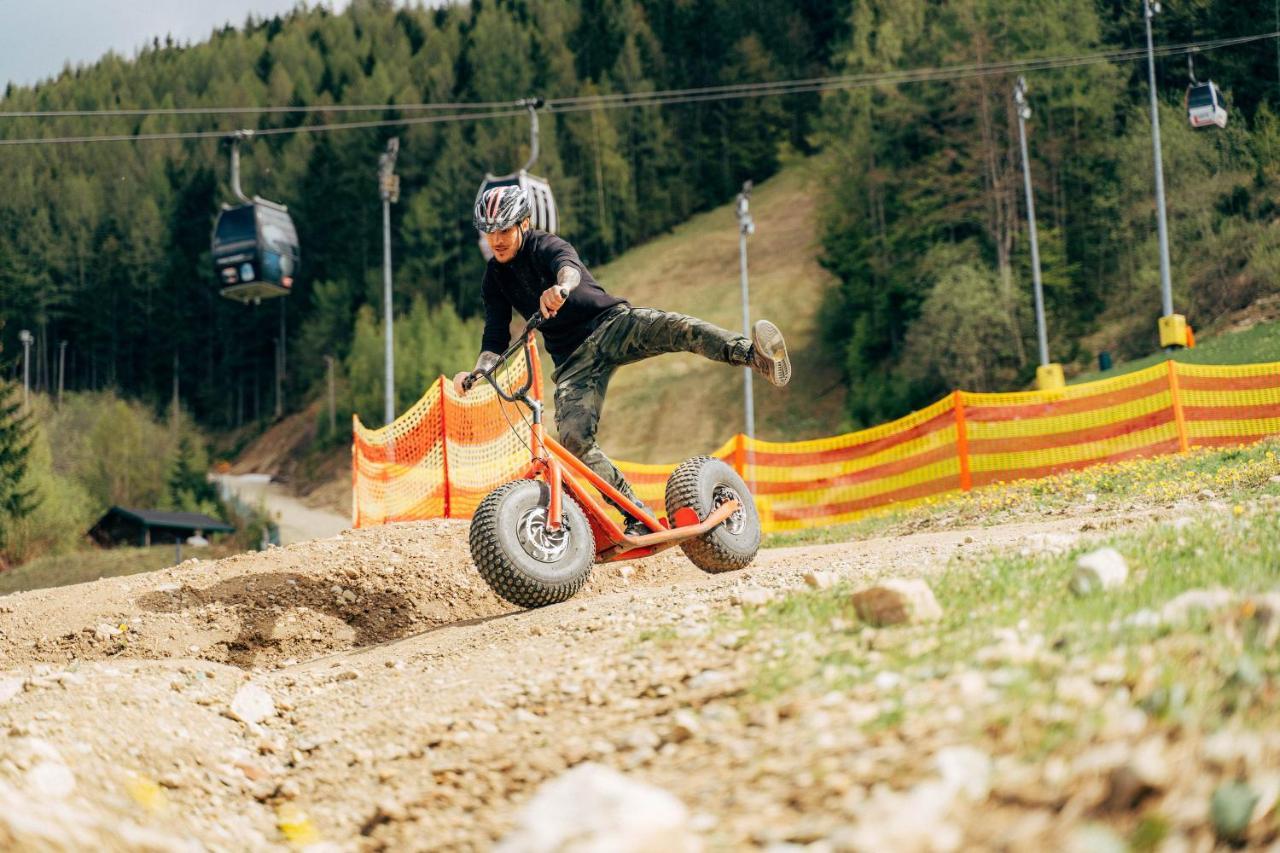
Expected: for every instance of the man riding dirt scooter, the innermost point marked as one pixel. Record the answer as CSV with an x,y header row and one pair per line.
x,y
589,333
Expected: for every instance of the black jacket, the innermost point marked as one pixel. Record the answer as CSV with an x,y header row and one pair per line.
x,y
519,284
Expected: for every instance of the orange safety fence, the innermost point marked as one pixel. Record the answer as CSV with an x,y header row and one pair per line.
x,y
441,457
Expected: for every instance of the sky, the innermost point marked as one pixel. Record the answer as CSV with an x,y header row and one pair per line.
x,y
38,38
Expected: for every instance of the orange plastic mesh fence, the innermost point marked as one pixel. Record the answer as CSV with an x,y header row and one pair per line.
x,y
443,455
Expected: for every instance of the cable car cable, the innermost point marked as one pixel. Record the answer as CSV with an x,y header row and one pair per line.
x,y
676,96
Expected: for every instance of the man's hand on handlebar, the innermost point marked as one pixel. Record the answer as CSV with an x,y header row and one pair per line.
x,y
463,381
553,298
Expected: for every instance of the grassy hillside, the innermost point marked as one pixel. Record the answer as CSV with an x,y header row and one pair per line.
x,y
667,408
1251,338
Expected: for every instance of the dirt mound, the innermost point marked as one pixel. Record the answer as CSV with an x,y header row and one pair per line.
x,y
280,606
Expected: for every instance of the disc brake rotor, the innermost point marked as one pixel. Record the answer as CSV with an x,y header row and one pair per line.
x,y
539,541
720,496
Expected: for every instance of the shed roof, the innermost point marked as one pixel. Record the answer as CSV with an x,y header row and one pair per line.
x,y
172,520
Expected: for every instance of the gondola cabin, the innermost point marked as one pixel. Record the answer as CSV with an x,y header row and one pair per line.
x,y
255,251
542,204
1205,105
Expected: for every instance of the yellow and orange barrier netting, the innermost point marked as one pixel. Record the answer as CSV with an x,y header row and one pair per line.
x,y
444,454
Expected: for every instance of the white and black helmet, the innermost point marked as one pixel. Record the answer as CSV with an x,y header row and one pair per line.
x,y
499,208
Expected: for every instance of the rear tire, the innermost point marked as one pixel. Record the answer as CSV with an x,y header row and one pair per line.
x,y
522,561
702,484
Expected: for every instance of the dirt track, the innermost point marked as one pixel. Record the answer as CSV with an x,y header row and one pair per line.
x,y
414,708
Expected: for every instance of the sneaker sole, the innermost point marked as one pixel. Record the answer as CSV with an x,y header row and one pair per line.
x,y
768,340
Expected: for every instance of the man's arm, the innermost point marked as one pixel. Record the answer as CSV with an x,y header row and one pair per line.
x,y
563,261
496,336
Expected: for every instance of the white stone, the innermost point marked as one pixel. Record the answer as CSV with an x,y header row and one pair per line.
x,y
965,768
594,809
51,779
1099,570
754,597
1205,600
251,704
897,601
9,687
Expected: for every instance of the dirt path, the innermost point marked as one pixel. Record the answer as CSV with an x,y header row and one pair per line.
x,y
297,521
412,708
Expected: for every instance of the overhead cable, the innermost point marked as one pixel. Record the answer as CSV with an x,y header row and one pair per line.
x,y
669,97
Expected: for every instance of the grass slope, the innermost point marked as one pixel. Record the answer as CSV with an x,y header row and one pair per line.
x,y
1252,345
669,408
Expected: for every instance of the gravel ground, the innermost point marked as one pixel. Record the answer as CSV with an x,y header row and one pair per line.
x,y
368,692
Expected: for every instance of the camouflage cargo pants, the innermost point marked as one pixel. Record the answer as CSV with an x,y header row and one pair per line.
x,y
631,334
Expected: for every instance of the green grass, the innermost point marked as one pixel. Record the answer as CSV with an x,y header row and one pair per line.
x,y
1260,343
92,564
1201,673
1227,474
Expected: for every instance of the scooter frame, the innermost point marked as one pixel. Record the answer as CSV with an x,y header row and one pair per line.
x,y
550,461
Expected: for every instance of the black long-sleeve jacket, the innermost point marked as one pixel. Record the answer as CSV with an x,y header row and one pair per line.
x,y
519,284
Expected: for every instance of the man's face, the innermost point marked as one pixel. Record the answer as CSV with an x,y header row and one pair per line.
x,y
505,243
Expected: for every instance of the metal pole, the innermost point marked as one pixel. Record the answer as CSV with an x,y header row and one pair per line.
x,y
1024,112
333,421
1149,10
280,366
62,368
389,190
26,338
746,227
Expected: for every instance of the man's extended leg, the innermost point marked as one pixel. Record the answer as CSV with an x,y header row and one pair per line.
x,y
645,332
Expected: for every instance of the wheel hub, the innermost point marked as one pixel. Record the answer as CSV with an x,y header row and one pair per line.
x,y
720,496
538,540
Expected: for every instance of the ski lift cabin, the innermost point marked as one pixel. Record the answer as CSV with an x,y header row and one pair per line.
x,y
255,251
1205,105
542,202
255,244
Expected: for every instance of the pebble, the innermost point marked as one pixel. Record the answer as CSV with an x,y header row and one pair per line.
x,y
593,807
820,579
251,704
1099,570
897,601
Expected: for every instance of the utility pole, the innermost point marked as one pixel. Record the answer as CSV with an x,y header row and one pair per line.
x,y
25,336
746,227
333,417
1173,327
389,189
1048,375
62,368
280,350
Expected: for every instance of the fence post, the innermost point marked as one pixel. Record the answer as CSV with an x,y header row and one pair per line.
x,y
444,446
355,478
740,455
962,441
1179,419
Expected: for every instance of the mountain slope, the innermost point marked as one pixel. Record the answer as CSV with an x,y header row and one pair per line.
x,y
665,409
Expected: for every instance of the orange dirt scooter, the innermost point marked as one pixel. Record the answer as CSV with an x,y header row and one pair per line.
x,y
535,545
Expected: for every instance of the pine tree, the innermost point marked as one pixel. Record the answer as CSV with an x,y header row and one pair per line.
x,y
15,444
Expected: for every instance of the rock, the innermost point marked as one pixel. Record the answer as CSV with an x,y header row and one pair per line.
x,y
51,779
1095,838
965,768
918,819
820,579
251,705
1099,570
593,807
106,632
684,725
1231,809
752,597
626,573
9,687
897,601
1206,600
